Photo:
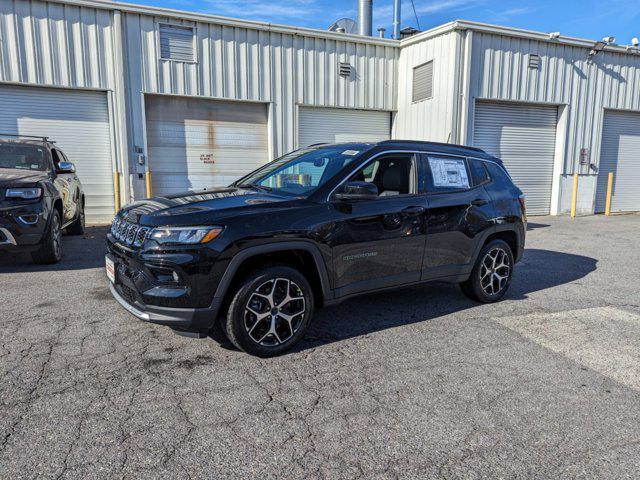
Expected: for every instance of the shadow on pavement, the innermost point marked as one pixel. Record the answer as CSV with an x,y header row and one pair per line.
x,y
539,270
78,253
534,226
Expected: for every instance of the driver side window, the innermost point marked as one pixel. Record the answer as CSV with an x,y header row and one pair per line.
x,y
392,174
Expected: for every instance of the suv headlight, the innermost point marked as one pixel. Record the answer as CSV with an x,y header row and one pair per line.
x,y
24,193
184,235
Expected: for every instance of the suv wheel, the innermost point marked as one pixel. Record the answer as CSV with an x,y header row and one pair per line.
x,y
50,250
491,275
270,311
77,227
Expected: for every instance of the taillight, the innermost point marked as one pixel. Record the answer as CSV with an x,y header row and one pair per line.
x,y
523,204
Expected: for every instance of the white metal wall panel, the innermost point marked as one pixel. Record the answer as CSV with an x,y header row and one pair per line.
x,y
524,137
78,121
56,44
620,154
238,63
500,71
331,125
430,119
198,143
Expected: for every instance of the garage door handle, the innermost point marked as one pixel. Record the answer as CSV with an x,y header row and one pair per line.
x,y
478,202
413,210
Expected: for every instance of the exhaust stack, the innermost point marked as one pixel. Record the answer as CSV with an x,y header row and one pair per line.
x,y
396,19
365,8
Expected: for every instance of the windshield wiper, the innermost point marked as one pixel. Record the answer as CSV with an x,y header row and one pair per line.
x,y
255,186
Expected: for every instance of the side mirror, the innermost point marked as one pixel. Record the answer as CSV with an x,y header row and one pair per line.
x,y
358,191
66,167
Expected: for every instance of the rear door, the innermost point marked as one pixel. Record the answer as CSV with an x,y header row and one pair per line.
x,y
458,211
380,243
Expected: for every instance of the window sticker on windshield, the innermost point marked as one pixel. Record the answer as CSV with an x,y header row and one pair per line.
x,y
449,173
351,152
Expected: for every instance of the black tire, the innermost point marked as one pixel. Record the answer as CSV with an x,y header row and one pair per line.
x,y
50,250
251,333
488,290
77,227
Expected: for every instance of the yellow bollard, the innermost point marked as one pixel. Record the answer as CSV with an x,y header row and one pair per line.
x,y
116,190
607,209
574,198
148,183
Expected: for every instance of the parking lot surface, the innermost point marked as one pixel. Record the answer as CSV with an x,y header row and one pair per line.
x,y
419,382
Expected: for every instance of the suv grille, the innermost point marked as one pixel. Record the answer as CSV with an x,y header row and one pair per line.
x,y
129,233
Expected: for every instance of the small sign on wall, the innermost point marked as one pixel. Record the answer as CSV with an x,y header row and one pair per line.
x,y
207,158
584,156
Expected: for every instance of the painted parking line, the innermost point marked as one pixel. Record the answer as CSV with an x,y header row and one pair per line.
x,y
603,339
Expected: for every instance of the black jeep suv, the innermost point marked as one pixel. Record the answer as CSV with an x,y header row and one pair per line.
x,y
40,195
313,228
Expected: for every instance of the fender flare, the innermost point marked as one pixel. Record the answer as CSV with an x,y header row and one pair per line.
x,y
249,252
490,231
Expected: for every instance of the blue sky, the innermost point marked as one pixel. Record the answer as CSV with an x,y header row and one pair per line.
x,y
586,19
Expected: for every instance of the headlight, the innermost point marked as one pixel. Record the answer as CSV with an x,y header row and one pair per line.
x,y
185,235
24,193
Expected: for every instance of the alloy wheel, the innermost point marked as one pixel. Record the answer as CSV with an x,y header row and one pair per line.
x,y
495,271
274,312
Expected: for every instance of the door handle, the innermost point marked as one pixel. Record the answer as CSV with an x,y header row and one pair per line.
x,y
413,210
478,202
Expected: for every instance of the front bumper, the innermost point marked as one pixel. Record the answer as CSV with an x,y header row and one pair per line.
x,y
22,225
187,304
181,319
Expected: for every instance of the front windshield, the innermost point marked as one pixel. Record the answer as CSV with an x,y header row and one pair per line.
x,y
23,157
303,171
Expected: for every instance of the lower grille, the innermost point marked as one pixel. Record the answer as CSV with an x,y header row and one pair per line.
x,y
128,294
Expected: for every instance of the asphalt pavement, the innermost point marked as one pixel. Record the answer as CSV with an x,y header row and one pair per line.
x,y
415,383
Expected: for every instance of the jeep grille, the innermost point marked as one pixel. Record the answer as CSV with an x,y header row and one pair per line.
x,y
129,233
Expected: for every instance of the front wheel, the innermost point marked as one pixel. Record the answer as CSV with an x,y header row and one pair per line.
x,y
50,250
270,311
491,275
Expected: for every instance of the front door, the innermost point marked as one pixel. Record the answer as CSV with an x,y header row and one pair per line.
x,y
380,243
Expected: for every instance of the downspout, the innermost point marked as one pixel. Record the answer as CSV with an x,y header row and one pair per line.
x,y
396,19
463,95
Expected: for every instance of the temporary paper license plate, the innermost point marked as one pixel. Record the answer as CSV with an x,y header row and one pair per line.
x,y
111,269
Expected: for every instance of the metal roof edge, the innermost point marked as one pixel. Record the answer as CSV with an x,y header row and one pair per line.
x,y
228,21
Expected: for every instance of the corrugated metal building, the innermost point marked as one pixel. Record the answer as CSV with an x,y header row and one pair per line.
x,y
198,100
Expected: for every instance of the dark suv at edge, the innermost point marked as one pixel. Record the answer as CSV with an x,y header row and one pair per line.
x,y
313,228
40,196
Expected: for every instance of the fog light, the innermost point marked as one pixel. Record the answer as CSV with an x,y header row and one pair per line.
x,y
175,276
29,219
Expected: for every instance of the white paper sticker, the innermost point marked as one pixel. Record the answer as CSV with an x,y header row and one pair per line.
x,y
350,152
449,173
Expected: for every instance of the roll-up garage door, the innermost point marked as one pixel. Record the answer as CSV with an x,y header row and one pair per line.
x,y
197,143
78,121
524,137
335,125
620,154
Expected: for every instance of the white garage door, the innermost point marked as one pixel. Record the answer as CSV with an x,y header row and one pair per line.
x,y
524,137
335,125
195,143
620,154
78,121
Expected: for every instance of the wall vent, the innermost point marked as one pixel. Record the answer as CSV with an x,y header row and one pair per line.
x,y
422,82
534,61
344,69
176,43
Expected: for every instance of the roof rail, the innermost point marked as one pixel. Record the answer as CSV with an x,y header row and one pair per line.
x,y
425,142
37,137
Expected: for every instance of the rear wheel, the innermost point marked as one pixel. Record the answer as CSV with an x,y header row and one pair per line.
x,y
77,227
491,275
50,250
270,311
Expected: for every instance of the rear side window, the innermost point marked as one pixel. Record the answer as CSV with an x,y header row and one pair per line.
x,y
447,174
478,171
498,175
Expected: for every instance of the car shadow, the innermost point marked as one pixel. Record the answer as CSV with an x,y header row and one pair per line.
x,y
535,226
373,313
79,252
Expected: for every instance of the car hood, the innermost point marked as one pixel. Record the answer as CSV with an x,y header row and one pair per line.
x,y
15,177
203,207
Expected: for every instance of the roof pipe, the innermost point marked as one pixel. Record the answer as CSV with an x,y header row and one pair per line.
x,y
396,19
365,8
